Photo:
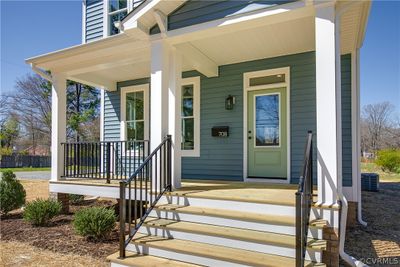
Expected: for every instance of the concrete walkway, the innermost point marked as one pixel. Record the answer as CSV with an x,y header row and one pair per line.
x,y
33,175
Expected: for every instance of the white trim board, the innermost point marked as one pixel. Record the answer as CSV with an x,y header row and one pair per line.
x,y
135,88
195,81
246,89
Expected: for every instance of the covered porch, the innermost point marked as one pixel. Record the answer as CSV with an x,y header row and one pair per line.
x,y
301,42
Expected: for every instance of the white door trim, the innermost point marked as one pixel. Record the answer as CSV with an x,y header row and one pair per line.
x,y
129,89
246,89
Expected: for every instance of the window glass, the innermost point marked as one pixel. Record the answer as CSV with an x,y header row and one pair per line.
x,y
188,134
135,115
114,18
117,5
271,79
187,117
267,120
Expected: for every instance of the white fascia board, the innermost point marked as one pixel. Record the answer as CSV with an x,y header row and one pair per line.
x,y
78,49
130,20
262,17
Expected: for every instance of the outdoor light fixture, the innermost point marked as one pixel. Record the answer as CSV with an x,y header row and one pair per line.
x,y
229,102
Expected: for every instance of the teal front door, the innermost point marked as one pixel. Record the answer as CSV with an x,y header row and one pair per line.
x,y
267,133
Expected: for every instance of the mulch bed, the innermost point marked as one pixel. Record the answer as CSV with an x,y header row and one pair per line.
x,y
59,236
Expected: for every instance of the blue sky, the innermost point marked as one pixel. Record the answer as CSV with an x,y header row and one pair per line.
x,y
30,28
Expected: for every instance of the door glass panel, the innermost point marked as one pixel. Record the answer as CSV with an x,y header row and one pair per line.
x,y
187,134
267,120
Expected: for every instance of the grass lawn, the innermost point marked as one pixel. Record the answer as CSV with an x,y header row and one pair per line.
x,y
26,169
383,176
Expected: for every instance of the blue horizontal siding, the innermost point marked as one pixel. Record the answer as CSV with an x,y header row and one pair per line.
x,y
199,11
346,121
222,158
94,20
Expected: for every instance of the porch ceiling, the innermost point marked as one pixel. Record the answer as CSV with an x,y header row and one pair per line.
x,y
107,61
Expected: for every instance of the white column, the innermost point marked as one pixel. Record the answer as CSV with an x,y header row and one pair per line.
x,y
328,106
174,114
58,124
159,89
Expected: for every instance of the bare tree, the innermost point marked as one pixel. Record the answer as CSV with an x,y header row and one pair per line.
x,y
375,123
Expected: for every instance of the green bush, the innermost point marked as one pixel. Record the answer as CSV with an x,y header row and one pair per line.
x,y
12,193
76,199
94,222
40,211
6,151
389,160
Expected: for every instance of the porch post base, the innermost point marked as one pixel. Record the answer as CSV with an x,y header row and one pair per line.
x,y
63,199
351,214
331,255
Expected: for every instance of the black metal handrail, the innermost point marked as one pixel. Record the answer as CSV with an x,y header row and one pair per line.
x,y
110,160
148,183
304,198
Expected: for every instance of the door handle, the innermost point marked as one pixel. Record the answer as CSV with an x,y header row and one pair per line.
x,y
249,136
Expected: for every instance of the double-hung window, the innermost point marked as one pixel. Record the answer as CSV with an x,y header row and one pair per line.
x,y
190,117
117,10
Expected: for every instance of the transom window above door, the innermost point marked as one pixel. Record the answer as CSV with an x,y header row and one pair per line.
x,y
190,117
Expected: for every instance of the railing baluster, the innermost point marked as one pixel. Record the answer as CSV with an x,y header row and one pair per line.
x,y
304,199
122,210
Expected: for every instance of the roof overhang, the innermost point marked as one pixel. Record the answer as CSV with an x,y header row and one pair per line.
x,y
286,29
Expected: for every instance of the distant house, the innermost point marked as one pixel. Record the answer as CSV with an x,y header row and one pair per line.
x,y
213,101
38,150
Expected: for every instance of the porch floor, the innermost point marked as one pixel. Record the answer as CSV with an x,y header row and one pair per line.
x,y
282,194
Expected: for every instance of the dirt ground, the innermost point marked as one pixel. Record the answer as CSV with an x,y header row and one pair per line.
x,y
381,237
17,254
55,245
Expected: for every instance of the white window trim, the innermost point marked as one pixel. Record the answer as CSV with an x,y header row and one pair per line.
x,y
195,81
246,89
130,89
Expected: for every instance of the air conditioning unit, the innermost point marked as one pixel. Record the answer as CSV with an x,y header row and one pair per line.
x,y
370,182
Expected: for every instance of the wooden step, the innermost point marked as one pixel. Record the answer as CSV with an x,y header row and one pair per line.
x,y
218,253
319,223
252,195
243,216
138,260
265,238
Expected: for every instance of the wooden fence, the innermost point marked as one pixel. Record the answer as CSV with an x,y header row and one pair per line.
x,y
20,161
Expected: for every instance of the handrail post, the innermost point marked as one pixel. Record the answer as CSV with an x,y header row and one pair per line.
x,y
298,231
122,215
169,161
108,162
